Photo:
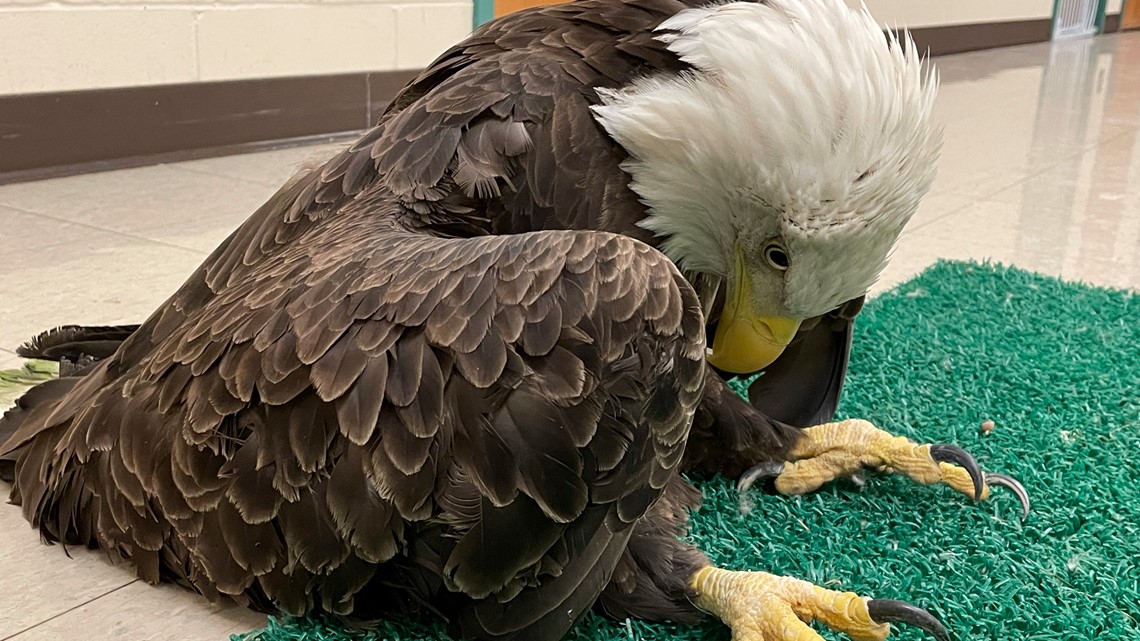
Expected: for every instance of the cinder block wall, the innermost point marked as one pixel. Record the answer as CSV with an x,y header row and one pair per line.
x,y
49,46
938,13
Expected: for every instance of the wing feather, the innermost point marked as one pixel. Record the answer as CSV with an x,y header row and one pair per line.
x,y
338,368
358,410
359,514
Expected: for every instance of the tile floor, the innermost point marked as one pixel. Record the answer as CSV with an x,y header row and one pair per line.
x,y
1041,169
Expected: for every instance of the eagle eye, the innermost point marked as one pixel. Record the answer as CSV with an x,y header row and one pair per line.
x,y
776,256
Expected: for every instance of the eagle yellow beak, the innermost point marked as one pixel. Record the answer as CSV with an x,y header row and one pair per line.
x,y
744,342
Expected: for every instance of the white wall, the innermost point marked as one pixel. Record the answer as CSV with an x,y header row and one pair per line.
x,y
930,13
50,45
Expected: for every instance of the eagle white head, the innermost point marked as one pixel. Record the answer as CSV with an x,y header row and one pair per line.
x,y
786,163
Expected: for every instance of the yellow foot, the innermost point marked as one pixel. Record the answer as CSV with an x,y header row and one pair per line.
x,y
846,448
764,607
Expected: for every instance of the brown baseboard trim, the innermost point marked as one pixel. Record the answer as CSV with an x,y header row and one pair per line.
x,y
960,38
1112,23
117,127
58,171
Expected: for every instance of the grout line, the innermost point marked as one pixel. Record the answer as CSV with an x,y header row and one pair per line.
x,y
71,609
368,95
1047,168
297,165
218,174
195,45
115,232
946,214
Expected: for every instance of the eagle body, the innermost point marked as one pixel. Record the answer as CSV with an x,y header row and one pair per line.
x,y
449,368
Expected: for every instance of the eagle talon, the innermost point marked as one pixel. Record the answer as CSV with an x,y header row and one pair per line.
x,y
892,611
854,448
759,472
943,453
1008,482
759,606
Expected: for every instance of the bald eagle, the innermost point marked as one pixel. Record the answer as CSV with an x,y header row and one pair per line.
x,y
460,365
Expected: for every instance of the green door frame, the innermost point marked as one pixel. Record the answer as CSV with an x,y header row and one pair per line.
x,y
1101,9
484,10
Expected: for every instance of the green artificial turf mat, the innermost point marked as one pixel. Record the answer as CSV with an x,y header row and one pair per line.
x,y
1057,367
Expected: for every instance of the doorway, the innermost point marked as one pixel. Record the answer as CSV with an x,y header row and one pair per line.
x,y
1130,18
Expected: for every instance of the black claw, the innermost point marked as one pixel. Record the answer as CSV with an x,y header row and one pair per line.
x,y
962,458
758,472
891,611
1014,485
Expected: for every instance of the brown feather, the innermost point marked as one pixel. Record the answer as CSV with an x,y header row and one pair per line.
x,y
407,451
251,490
481,564
338,588
484,366
406,370
256,547
359,514
311,540
213,555
311,426
358,410
338,368
423,414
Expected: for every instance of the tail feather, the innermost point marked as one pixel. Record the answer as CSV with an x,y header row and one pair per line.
x,y
58,357
77,343
39,394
